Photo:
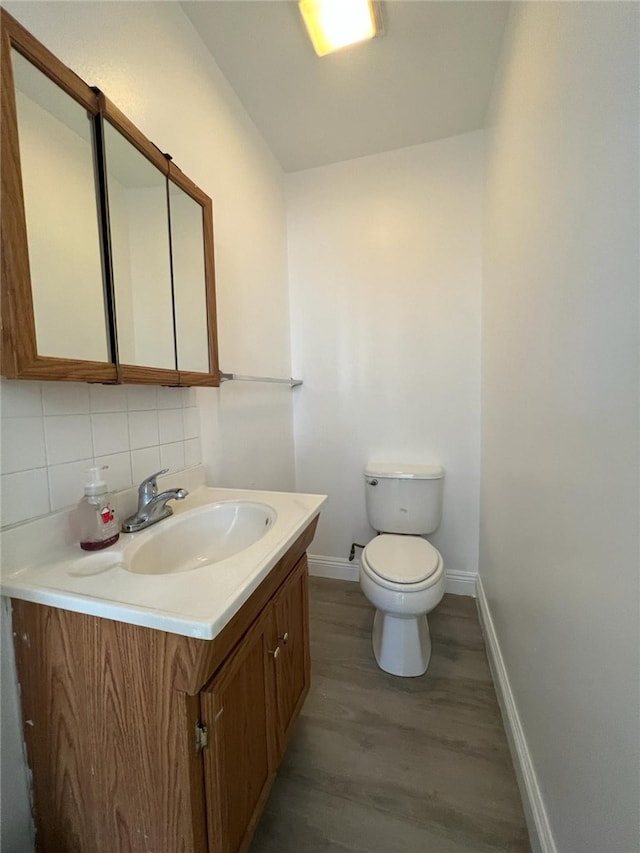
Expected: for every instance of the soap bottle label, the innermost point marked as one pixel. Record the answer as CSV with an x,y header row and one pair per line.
x,y
99,523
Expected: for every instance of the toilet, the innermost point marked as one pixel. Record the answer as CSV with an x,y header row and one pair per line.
x,y
401,573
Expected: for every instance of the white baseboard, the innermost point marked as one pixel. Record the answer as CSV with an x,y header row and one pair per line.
x,y
460,583
533,804
339,568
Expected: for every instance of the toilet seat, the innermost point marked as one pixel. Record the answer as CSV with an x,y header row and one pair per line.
x,y
406,561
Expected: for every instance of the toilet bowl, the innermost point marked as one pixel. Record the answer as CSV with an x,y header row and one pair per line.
x,y
403,577
401,573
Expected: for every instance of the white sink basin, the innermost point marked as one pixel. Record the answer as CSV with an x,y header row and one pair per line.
x,y
200,537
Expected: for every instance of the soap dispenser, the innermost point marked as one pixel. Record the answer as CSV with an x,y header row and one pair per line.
x,y
98,522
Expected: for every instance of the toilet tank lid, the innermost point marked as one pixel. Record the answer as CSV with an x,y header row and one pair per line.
x,y
405,471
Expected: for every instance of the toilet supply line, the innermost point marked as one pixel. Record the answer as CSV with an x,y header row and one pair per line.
x,y
352,552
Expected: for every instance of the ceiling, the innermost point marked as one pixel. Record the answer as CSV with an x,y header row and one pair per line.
x,y
428,77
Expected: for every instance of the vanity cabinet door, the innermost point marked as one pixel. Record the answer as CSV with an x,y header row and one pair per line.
x,y
238,761
293,662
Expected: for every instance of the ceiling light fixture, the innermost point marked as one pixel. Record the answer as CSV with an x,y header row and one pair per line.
x,y
333,24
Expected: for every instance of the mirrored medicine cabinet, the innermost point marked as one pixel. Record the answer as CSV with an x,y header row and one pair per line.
x,y
107,247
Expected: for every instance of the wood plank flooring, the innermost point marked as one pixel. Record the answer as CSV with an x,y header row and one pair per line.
x,y
380,764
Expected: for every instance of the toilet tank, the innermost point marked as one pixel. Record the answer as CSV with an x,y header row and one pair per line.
x,y
403,498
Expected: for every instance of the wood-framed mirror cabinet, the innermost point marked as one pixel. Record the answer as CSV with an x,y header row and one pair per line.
x,y
107,247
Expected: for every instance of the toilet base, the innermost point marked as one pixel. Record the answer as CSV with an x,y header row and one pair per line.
x,y
402,646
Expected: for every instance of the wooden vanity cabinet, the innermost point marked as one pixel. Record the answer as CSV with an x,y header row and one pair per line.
x,y
142,740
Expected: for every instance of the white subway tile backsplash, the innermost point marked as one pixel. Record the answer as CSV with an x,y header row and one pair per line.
x,y
118,475
20,399
192,452
189,397
143,429
169,398
110,433
191,422
53,431
22,444
65,398
145,462
24,495
66,483
172,456
108,398
142,397
171,425
68,438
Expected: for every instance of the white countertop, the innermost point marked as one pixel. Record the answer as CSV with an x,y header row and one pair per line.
x,y
196,603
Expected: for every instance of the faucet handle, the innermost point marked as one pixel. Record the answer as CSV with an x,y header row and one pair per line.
x,y
148,488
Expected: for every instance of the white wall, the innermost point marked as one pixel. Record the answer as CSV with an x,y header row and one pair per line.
x,y
254,435
150,62
385,269
559,522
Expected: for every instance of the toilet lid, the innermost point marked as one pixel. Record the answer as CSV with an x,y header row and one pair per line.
x,y
402,559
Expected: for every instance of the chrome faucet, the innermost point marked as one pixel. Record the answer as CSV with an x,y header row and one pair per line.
x,y
152,507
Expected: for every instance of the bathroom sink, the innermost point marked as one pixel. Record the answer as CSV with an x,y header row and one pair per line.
x,y
188,574
202,536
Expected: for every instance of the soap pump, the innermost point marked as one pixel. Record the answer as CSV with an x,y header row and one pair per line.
x,y
98,522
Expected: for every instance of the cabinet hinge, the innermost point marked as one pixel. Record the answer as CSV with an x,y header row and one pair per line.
x,y
202,737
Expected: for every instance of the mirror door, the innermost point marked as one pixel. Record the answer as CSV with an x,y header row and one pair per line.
x,y
140,251
191,218
52,270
